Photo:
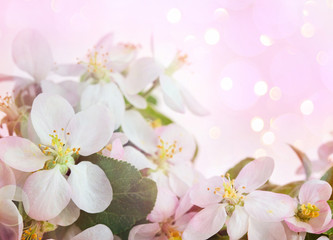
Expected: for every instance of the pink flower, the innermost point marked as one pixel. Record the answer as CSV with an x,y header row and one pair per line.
x,y
168,218
312,213
64,136
236,203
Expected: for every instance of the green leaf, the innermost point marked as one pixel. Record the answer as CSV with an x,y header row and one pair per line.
x,y
133,196
152,114
234,171
152,100
306,163
290,189
328,177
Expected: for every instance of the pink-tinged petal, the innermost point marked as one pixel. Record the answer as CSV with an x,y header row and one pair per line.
x,y
100,232
21,154
90,130
47,194
259,230
269,206
314,190
171,93
325,151
139,132
67,89
206,223
181,177
193,105
105,43
11,233
182,222
91,189
144,231
7,176
142,73
8,192
117,151
254,174
68,216
50,112
9,214
165,205
202,193
72,70
291,235
185,143
323,238
137,158
323,222
184,205
121,56
238,223
119,135
108,95
32,54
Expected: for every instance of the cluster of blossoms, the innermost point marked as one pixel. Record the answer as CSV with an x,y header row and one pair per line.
x,y
50,130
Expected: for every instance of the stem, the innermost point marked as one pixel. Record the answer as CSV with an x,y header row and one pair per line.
x,y
146,94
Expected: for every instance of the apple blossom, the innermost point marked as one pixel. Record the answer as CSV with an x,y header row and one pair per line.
x,y
236,202
64,136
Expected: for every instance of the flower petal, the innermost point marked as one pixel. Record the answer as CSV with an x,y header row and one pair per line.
x,y
9,214
202,194
68,216
259,230
142,73
50,112
100,232
269,206
90,130
144,231
314,190
91,189
206,223
139,132
238,223
117,151
325,150
7,176
32,54
47,194
105,42
137,158
68,70
181,177
172,94
165,205
184,205
254,174
192,104
105,94
21,154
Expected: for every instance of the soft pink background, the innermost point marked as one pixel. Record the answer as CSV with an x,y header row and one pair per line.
x,y
286,43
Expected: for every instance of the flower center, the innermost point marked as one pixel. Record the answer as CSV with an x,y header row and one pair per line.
x,y
97,64
62,155
229,193
174,234
32,233
166,151
306,212
178,62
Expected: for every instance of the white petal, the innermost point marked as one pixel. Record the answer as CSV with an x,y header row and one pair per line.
x,y
171,93
181,178
100,232
68,216
206,223
269,206
91,189
254,174
67,89
21,154
108,95
119,135
142,73
7,176
144,231
139,131
90,130
137,158
238,223
259,230
165,205
47,194
192,104
32,54
9,214
105,43
314,190
50,112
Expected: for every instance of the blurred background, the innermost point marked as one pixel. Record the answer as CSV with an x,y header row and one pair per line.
x,y
263,68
